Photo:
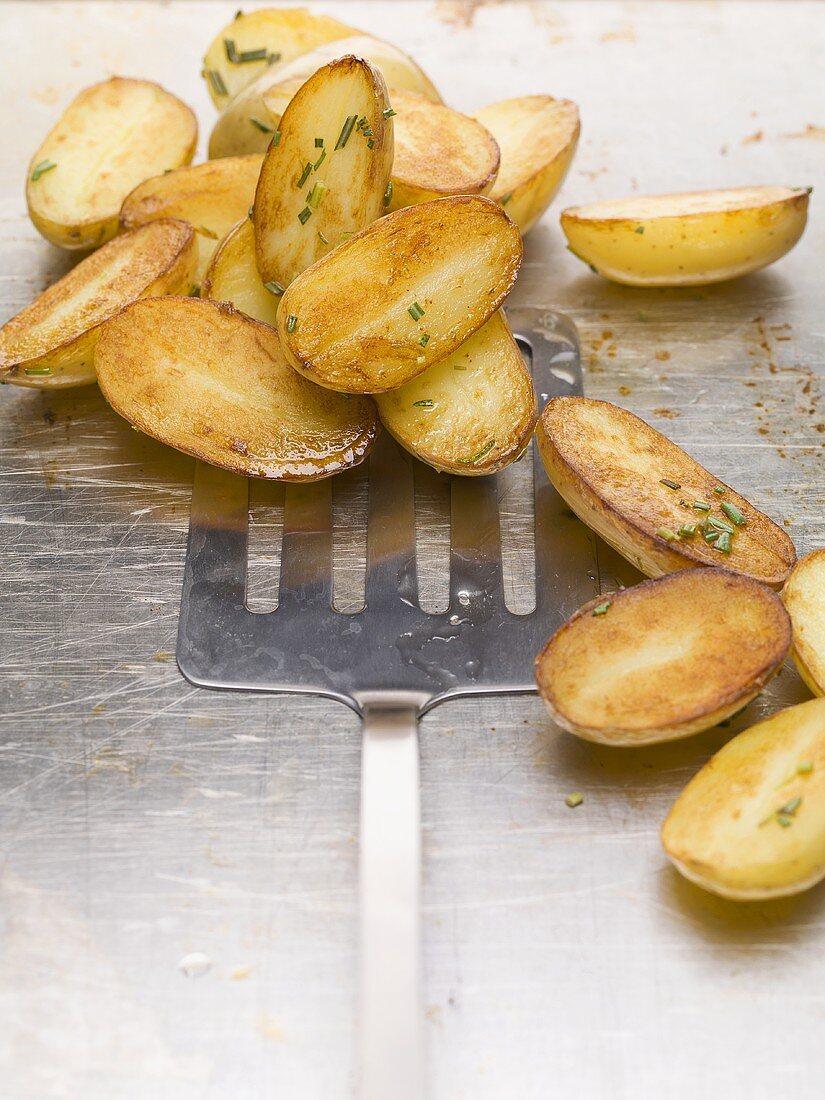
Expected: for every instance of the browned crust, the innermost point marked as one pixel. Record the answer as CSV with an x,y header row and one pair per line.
x,y
572,213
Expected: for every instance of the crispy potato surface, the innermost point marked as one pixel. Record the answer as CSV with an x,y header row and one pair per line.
x,y
664,659
51,343
233,277
537,135
402,295
642,494
327,176
257,40
751,824
804,597
687,239
472,413
109,139
212,197
205,379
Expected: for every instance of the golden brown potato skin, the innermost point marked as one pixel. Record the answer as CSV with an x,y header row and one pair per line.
x,y
804,597
608,465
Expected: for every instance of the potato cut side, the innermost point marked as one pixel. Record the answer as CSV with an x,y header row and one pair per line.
x,y
233,277
664,659
472,413
537,135
751,824
109,139
247,124
402,295
212,197
643,494
687,239
804,597
327,176
257,40
205,379
52,342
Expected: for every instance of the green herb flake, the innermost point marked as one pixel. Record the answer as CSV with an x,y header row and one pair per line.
x,y
251,213
573,800
262,126
388,112
346,130
805,767
216,80
423,404
42,168
711,536
783,820
670,484
421,360
639,229
37,370
719,525
305,215
733,514
415,311
370,144
276,139
231,52
291,323
388,195
791,807
261,54
506,198
687,530
273,57
274,288
304,175
320,160
319,143
666,534
723,543
316,195
478,455
719,489
701,506
602,608
425,339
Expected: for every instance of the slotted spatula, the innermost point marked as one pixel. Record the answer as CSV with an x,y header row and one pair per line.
x,y
390,662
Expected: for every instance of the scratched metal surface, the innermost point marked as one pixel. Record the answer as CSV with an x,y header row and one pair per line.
x,y
144,820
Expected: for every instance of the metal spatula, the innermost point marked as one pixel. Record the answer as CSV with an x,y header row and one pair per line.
x,y
390,662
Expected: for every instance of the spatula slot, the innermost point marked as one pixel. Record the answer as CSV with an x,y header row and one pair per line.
x,y
266,528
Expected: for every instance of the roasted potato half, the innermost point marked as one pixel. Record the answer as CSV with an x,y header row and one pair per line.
x,y
262,39
212,197
537,135
232,276
472,413
327,175
687,239
400,296
664,659
650,500
804,597
250,119
205,379
751,824
52,342
109,139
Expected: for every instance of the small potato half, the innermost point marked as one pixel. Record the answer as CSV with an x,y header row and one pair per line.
x,y
751,824
205,379
109,139
642,494
537,135
52,342
212,197
400,296
327,175
472,413
664,659
687,239
804,597
232,276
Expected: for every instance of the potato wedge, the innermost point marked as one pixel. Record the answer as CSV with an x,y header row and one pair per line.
x,y
52,342
202,378
212,197
254,41
537,135
804,597
327,176
664,659
687,239
751,824
472,413
247,124
112,136
400,296
642,493
232,276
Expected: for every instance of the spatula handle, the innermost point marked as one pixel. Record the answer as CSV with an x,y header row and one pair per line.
x,y
390,1054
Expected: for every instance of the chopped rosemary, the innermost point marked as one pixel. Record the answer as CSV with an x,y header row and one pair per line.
x,y
423,404
388,112
262,126
346,130
791,807
425,339
388,194
320,160
719,489
718,525
323,238
304,175
733,514
37,370
216,80
687,530
639,229
670,484
316,195
291,323
573,800
701,506
711,536
305,215
666,534
602,608
231,52
415,311
478,455
42,168
274,288
276,138
723,543
261,54
319,143
506,198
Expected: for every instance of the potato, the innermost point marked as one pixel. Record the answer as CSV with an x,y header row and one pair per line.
x,y
326,177
201,377
804,596
472,413
664,659
212,197
244,48
109,139
401,295
52,342
751,824
643,494
233,277
687,239
537,136
247,124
